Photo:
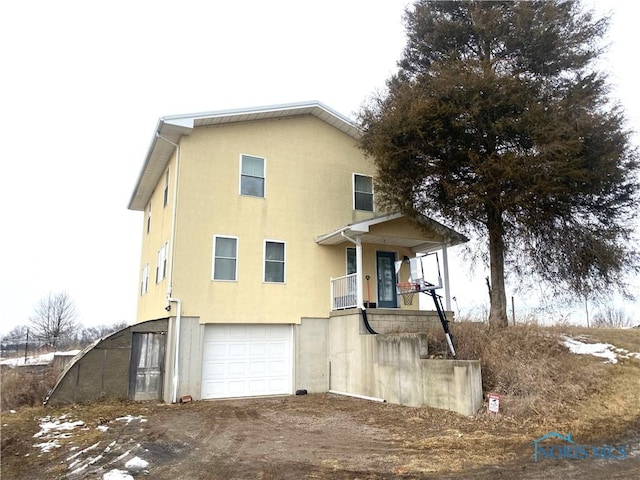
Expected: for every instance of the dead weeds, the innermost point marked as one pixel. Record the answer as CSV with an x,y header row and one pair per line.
x,y
543,388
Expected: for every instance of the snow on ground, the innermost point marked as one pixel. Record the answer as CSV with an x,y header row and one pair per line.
x,y
117,475
604,350
43,359
117,465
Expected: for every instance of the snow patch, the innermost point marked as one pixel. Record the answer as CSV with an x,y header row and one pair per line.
x,y
117,475
136,464
131,418
603,350
49,425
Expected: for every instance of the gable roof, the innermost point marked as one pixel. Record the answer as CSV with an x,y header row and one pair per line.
x,y
417,244
173,127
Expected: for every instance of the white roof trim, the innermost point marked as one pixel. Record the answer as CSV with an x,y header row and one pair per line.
x,y
449,236
174,126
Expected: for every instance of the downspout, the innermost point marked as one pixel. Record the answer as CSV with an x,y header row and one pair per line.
x,y
174,396
170,299
174,213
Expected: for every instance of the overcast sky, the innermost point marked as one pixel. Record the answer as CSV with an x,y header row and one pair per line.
x,y
84,84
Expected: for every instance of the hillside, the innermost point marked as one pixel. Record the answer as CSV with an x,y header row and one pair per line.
x,y
544,389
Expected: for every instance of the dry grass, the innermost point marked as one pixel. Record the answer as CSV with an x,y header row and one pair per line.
x,y
25,387
543,388
536,376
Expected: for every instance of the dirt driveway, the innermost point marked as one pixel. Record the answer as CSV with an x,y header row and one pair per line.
x,y
312,436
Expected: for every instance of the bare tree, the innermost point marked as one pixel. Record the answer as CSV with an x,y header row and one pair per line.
x,y
88,335
54,317
610,317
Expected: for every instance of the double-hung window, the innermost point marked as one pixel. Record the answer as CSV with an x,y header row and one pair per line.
x,y
362,192
161,268
274,261
252,176
225,258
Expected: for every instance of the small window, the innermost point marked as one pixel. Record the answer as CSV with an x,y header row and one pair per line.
x,y
362,192
225,258
274,255
144,284
165,200
149,218
351,261
252,176
161,269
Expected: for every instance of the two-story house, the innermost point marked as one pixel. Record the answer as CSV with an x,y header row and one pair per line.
x,y
261,245
255,219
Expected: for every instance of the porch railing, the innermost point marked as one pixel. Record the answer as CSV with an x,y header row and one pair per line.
x,y
343,292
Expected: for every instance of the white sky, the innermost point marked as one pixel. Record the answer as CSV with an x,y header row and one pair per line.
x,y
84,84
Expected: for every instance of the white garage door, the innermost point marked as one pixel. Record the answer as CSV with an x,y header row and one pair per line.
x,y
246,360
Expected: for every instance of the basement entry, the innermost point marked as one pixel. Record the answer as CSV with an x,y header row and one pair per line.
x,y
247,360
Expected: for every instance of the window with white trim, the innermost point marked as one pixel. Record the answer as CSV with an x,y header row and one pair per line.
x,y
252,176
352,266
225,258
149,217
274,261
165,198
161,268
363,192
144,283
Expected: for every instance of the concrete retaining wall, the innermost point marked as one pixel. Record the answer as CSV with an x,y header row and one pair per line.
x,y
394,367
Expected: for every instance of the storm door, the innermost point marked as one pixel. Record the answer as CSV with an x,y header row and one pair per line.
x,y
147,365
386,271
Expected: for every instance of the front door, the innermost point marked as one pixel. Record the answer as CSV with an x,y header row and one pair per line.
x,y
147,362
386,271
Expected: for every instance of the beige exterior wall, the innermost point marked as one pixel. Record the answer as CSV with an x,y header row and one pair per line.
x,y
308,192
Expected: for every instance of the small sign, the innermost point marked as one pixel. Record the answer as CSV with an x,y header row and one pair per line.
x,y
494,403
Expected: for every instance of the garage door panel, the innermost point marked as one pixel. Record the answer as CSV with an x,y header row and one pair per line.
x,y
279,348
246,360
257,349
277,368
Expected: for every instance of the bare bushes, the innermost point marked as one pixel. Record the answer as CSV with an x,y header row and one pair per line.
x,y
526,365
25,386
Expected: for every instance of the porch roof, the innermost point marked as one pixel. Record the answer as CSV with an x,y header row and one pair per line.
x,y
417,241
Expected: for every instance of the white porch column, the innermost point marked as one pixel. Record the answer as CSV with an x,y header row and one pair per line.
x,y
445,266
359,271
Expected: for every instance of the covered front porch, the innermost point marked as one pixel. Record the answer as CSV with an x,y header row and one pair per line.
x,y
374,253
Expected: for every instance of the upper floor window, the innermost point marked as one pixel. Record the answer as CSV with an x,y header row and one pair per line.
x,y
144,283
149,217
274,259
362,192
161,268
252,175
225,258
165,198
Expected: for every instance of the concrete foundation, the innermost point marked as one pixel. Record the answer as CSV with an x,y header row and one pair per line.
x,y
311,355
334,353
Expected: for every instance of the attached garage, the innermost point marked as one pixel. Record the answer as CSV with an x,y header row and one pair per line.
x,y
247,360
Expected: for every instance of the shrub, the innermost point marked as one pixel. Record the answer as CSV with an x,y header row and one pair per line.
x,y
25,387
526,364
